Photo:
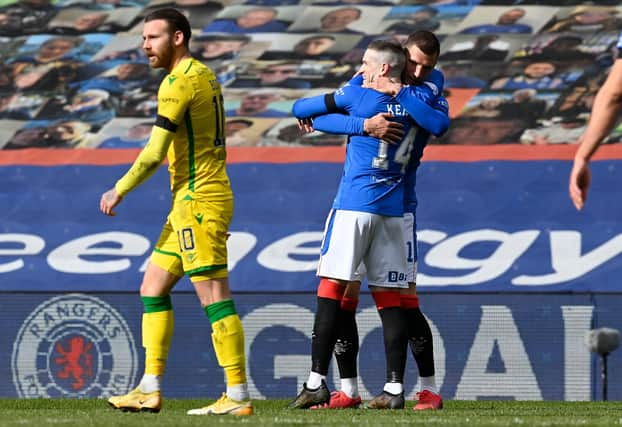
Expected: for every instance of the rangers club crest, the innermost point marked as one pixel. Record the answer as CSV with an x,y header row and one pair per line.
x,y
73,345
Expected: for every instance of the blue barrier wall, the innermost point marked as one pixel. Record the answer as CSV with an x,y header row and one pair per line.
x,y
526,347
483,226
511,280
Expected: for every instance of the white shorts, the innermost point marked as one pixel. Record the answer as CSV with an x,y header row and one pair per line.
x,y
410,234
353,237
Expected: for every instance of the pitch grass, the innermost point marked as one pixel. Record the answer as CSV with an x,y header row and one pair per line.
x,y
95,412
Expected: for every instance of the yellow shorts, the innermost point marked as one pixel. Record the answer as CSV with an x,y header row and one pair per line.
x,y
194,240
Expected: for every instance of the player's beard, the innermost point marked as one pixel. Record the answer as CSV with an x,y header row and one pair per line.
x,y
164,58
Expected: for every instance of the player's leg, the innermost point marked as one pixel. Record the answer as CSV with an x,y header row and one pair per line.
x,y
419,332
347,347
395,345
346,352
163,271
342,247
202,230
314,390
228,341
386,273
422,348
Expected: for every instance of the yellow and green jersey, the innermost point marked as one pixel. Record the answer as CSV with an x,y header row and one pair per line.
x,y
190,104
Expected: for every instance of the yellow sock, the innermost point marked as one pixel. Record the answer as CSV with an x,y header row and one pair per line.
x,y
157,329
228,340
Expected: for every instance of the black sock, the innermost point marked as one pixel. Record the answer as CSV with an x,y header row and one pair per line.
x,y
347,346
420,340
394,331
324,334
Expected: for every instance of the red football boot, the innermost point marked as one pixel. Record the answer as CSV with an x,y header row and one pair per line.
x,y
340,400
428,400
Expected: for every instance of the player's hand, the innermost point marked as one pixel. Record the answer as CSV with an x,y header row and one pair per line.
x,y
379,126
305,125
109,200
579,183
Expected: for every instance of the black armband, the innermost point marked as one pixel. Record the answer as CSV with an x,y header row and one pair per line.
x,y
329,100
165,124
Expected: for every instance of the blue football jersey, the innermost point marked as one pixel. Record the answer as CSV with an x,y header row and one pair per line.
x,y
431,120
420,142
373,173
418,100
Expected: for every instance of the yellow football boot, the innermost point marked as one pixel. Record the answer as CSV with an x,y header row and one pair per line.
x,y
225,405
136,401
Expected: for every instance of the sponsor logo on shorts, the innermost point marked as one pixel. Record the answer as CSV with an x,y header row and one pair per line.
x,y
74,345
396,276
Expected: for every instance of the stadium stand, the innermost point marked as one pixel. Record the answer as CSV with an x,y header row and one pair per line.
x,y
531,67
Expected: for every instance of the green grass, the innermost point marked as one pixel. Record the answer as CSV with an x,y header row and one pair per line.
x,y
93,412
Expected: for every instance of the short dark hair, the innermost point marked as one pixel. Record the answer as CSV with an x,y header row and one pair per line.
x,y
424,40
392,51
386,45
176,20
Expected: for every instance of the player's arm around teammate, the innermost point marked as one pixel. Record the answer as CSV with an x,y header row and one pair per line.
x,y
365,224
422,55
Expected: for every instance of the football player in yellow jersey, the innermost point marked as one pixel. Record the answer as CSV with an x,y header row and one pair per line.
x,y
189,130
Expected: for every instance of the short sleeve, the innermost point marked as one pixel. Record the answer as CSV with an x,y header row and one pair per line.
x,y
174,96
